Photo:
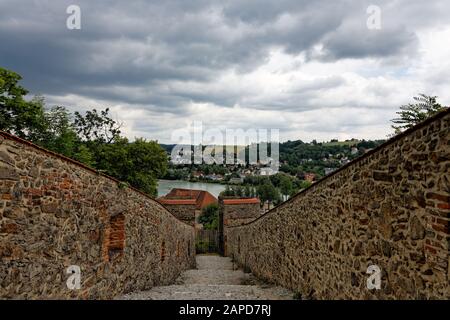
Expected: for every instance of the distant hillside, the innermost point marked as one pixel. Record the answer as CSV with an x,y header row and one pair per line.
x,y
167,147
298,157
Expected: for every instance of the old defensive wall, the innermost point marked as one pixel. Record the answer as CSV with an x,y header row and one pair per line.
x,y
389,208
56,213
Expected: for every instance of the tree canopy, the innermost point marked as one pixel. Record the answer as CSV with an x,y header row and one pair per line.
x,y
210,217
414,113
22,118
93,138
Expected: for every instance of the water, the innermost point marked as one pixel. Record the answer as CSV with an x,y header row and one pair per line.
x,y
164,186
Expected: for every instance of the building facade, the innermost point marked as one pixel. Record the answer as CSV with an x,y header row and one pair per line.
x,y
187,204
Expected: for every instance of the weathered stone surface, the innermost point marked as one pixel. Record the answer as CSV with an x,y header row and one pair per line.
x,y
9,228
235,215
386,248
382,176
54,213
391,214
8,173
417,230
6,158
185,213
49,208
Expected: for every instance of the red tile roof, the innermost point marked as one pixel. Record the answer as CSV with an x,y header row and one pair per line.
x,y
205,198
183,193
188,196
177,201
241,201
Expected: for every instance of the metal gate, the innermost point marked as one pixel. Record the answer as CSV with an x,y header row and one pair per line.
x,y
207,241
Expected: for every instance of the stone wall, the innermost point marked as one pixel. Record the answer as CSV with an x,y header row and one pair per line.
x,y
55,213
235,214
238,214
390,208
183,212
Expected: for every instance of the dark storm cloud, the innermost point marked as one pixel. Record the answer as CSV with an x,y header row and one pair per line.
x,y
132,52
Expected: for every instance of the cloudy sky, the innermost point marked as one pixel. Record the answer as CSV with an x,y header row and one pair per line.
x,y
312,69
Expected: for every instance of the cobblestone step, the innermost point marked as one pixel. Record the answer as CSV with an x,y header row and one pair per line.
x,y
214,279
211,292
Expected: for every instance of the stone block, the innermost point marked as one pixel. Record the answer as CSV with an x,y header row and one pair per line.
x,y
8,173
382,176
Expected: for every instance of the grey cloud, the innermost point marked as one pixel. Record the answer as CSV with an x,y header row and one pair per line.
x,y
148,53
359,42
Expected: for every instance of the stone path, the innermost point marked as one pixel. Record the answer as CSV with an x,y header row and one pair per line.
x,y
214,279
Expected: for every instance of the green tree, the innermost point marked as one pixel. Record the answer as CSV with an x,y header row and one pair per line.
x,y
84,155
93,138
238,191
96,127
139,163
112,158
228,192
149,161
285,185
267,192
210,217
305,184
247,191
414,113
60,135
18,116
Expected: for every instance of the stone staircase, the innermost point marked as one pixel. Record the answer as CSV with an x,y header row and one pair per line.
x,y
215,278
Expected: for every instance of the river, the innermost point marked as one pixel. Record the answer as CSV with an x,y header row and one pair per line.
x,y
164,186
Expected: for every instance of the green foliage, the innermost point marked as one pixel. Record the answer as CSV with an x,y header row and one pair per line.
x,y
60,135
238,191
139,163
285,185
176,173
368,144
268,192
228,192
336,142
84,155
202,246
210,217
93,138
305,184
298,157
248,192
96,127
17,116
183,172
414,113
